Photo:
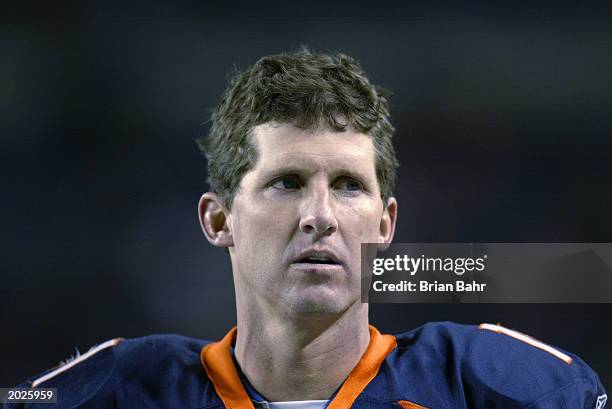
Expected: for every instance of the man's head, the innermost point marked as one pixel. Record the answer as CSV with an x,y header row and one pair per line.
x,y
307,90
302,168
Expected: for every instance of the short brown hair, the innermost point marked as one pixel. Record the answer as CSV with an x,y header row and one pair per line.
x,y
307,90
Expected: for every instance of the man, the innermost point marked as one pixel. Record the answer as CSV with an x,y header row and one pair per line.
x,y
302,169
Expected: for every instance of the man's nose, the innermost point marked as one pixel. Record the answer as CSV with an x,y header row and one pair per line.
x,y
317,212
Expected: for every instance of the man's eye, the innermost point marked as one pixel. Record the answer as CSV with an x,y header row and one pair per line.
x,y
349,184
286,183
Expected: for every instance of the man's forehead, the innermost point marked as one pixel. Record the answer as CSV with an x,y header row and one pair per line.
x,y
278,144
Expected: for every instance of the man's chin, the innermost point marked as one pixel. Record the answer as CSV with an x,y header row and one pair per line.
x,y
312,304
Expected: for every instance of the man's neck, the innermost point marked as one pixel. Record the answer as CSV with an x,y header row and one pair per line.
x,y
301,359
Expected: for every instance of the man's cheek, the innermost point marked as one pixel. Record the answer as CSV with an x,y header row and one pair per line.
x,y
367,228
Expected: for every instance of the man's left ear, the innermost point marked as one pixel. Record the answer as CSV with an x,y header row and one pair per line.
x,y
387,222
213,220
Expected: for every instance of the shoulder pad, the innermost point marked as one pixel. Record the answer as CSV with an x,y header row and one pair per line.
x,y
130,372
497,364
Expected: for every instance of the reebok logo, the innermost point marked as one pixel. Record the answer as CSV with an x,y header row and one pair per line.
x,y
601,401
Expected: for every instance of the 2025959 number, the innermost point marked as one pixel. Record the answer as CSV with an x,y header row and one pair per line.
x,y
27,395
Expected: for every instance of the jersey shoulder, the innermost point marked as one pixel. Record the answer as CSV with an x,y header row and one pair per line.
x,y
126,364
490,361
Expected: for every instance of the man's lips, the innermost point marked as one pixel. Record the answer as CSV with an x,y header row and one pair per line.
x,y
318,262
317,258
318,269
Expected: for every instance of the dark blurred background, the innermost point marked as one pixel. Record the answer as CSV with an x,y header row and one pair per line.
x,y
503,118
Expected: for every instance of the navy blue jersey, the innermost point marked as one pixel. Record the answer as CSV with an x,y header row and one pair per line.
x,y
436,366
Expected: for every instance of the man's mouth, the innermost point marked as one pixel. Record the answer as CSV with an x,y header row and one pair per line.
x,y
317,259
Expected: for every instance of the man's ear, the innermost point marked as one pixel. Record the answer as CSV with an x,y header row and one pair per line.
x,y
213,220
387,222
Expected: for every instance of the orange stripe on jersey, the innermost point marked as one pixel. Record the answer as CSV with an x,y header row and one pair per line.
x,y
77,360
409,405
528,340
366,369
219,366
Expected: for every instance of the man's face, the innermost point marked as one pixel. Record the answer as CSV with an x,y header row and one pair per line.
x,y
300,216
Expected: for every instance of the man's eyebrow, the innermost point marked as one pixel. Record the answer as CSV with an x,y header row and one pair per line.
x,y
284,170
350,172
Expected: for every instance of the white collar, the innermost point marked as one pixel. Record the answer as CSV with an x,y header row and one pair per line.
x,y
299,404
